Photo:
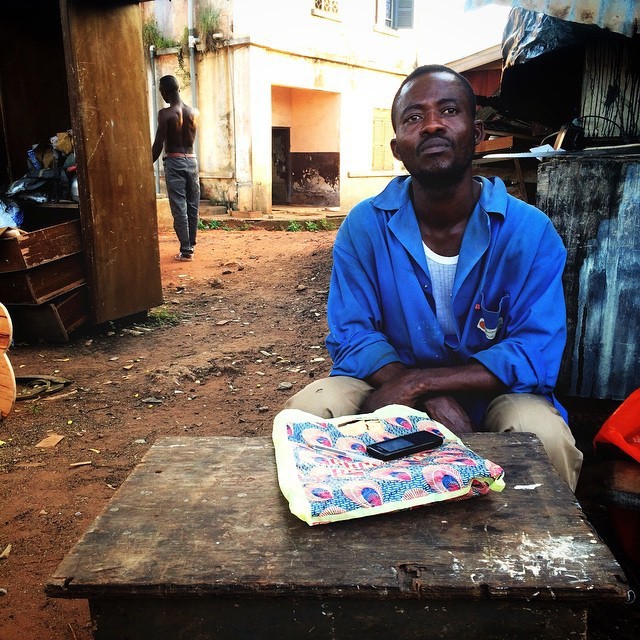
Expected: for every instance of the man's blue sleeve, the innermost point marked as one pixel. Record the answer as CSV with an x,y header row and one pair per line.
x,y
356,344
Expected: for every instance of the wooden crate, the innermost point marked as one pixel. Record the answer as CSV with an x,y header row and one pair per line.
x,y
34,248
52,321
42,283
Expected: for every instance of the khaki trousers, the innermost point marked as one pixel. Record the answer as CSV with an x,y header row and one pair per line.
x,y
522,412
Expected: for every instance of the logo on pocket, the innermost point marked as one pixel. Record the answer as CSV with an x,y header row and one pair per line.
x,y
489,333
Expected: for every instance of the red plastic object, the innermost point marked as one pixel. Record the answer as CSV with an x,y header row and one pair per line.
x,y
622,428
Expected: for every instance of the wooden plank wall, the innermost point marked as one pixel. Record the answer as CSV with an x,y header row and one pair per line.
x,y
107,81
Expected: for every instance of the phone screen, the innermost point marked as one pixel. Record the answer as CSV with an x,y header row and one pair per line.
x,y
395,444
405,445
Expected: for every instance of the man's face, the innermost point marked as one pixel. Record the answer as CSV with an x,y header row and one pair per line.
x,y
436,131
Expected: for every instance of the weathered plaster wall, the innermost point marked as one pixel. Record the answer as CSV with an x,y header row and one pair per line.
x,y
337,72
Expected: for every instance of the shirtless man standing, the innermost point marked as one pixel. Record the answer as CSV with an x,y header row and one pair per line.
x,y
177,125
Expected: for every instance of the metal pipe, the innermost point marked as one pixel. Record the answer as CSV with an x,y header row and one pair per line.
x,y
154,103
231,72
192,60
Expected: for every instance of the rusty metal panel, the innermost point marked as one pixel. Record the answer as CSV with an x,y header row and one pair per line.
x,y
593,203
620,16
611,89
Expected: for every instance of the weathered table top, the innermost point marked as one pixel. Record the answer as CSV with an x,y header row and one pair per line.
x,y
205,516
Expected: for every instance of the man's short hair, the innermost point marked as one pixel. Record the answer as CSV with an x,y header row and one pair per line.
x,y
433,68
169,83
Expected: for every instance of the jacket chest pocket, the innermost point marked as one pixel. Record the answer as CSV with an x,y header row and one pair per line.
x,y
488,320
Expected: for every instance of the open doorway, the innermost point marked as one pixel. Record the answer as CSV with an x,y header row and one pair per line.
x,y
281,165
305,147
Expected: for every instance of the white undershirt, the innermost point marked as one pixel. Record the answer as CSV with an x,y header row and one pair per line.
x,y
443,271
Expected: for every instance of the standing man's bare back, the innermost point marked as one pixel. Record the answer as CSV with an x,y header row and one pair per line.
x,y
177,125
182,122
176,134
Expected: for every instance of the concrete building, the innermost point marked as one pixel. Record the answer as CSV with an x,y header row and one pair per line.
x,y
294,95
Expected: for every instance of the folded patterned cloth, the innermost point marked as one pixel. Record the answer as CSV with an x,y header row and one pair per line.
x,y
326,475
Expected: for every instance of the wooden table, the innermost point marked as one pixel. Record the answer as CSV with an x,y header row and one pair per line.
x,y
199,543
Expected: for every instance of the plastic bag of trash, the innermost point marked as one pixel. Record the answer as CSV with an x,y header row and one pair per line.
x,y
10,214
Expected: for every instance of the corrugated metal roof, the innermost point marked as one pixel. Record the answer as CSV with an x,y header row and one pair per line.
x,y
621,16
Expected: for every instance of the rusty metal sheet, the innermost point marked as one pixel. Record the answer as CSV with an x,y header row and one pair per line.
x,y
621,16
593,205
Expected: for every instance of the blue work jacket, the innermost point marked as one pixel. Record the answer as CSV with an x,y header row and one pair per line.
x,y
507,297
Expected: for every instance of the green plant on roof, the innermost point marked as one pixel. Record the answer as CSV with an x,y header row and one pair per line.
x,y
151,35
208,25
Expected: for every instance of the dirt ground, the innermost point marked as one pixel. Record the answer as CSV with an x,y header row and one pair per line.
x,y
241,329
249,316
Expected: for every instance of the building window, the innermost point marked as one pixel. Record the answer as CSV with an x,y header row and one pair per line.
x,y
382,134
328,6
399,14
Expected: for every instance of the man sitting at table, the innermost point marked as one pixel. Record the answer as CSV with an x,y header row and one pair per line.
x,y
446,292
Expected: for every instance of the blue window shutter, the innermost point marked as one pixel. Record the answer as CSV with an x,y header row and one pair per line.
x,y
404,14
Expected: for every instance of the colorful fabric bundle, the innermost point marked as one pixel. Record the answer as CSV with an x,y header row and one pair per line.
x,y
326,475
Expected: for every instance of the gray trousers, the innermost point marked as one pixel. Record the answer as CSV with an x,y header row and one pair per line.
x,y
525,412
183,189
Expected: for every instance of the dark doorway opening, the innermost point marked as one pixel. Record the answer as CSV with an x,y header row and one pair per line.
x,y
281,165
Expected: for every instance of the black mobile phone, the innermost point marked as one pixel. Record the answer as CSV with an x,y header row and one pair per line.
x,y
405,445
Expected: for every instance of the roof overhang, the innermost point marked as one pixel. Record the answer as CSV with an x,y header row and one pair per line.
x,y
490,58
